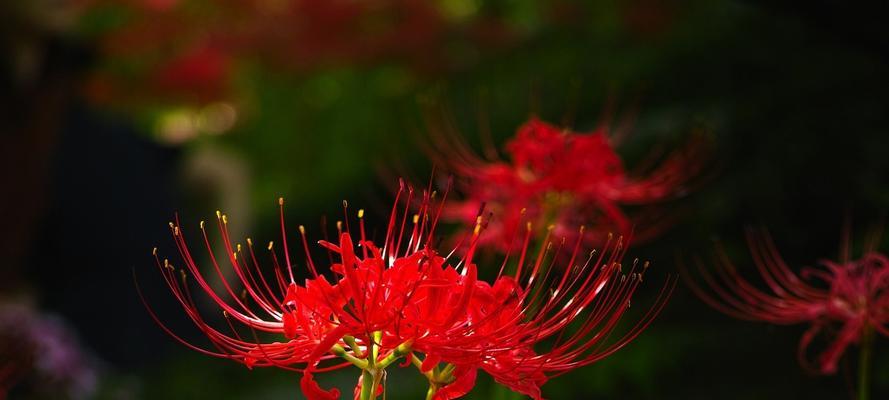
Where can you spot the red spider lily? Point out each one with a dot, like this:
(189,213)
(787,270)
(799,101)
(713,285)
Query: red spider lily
(853,294)
(563,178)
(404,300)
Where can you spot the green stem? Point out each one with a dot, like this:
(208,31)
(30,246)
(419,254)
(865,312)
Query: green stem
(374,368)
(445,373)
(367,383)
(864,363)
(419,364)
(341,352)
(430,394)
(399,351)
(376,337)
(375,386)
(350,340)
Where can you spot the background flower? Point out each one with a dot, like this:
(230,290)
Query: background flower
(42,358)
(557,177)
(846,300)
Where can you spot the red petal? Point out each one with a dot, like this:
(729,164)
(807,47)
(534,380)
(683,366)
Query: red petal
(463,384)
(329,340)
(407,360)
(312,391)
(430,362)
(290,324)
(291,296)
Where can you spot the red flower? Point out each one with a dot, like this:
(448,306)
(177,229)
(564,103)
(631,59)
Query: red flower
(200,72)
(555,176)
(853,294)
(404,300)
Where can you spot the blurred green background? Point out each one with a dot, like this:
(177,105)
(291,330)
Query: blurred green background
(121,113)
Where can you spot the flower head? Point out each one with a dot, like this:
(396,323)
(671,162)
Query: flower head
(555,176)
(403,300)
(851,294)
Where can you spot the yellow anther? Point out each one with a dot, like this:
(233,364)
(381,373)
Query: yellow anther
(339,225)
(202,224)
(249,242)
(154,251)
(271,244)
(478,225)
(361,213)
(302,229)
(416,218)
(239,247)
(235,256)
(280,201)
(218,214)
(224,219)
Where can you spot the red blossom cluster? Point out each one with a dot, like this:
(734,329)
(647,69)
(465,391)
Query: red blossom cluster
(853,294)
(541,316)
(557,177)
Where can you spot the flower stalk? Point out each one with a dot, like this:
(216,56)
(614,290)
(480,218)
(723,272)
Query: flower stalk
(864,363)
(372,371)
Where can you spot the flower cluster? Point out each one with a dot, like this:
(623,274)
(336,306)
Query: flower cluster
(853,294)
(557,177)
(405,301)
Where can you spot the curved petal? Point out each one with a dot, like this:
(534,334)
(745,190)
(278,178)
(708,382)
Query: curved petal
(458,388)
(313,391)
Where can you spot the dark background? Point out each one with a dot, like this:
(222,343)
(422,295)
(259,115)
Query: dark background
(794,97)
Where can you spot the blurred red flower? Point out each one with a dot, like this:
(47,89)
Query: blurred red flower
(853,294)
(404,300)
(557,177)
(184,51)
